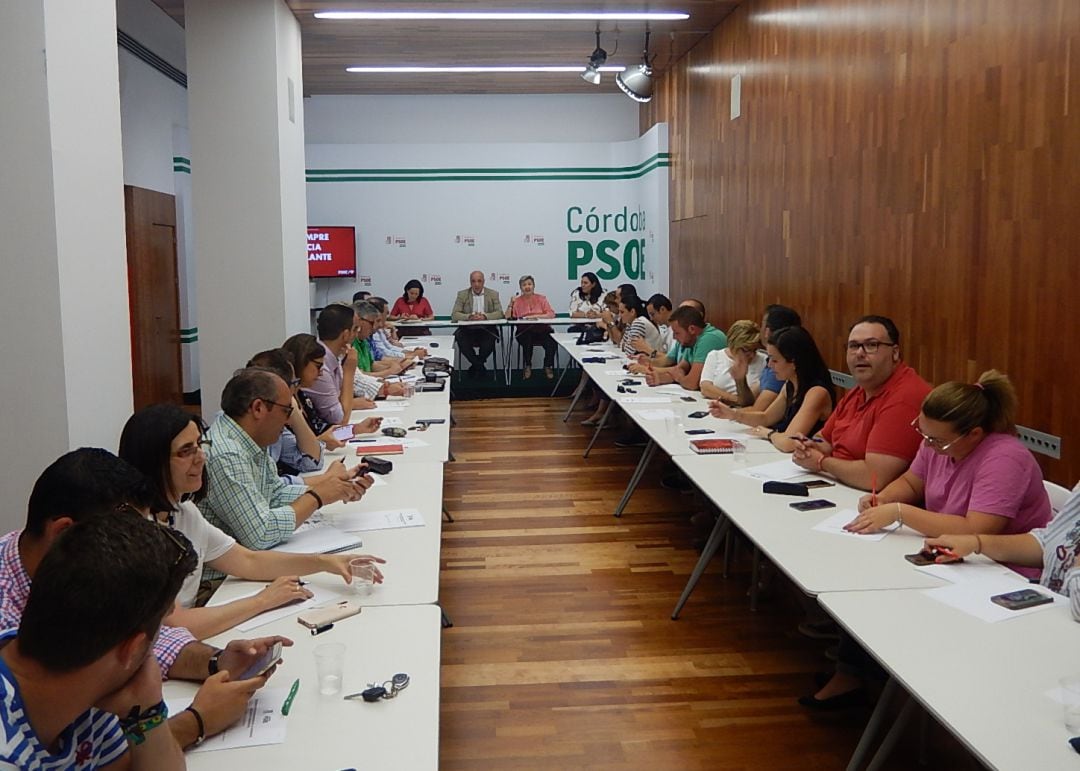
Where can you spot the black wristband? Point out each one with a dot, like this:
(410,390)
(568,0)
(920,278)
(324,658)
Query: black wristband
(314,495)
(212,664)
(201,724)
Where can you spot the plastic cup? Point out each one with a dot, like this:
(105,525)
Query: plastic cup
(671,424)
(410,390)
(738,452)
(1070,698)
(363,576)
(329,667)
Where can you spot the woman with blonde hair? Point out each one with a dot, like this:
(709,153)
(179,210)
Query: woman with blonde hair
(743,357)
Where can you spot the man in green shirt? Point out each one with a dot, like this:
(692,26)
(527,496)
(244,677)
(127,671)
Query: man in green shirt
(695,339)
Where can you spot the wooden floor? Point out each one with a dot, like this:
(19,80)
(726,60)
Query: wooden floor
(563,654)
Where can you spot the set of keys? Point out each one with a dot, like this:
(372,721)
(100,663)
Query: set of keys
(388,690)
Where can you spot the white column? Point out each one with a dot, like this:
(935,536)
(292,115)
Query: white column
(247,174)
(65,342)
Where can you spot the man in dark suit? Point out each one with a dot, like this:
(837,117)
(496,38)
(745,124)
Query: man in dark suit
(476,304)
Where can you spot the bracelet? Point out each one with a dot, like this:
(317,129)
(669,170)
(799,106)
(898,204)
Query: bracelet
(137,724)
(314,495)
(769,435)
(978,544)
(899,514)
(212,664)
(201,724)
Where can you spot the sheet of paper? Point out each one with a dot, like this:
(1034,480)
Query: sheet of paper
(320,596)
(624,374)
(676,390)
(660,414)
(389,519)
(968,570)
(780,471)
(644,400)
(262,722)
(388,407)
(413,441)
(973,597)
(835,525)
(316,537)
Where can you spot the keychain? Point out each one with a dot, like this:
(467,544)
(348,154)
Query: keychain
(388,690)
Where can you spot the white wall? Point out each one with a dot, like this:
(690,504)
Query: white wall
(484,118)
(151,107)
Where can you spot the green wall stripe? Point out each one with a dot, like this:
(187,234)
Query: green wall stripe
(490,177)
(191,331)
(523,170)
(182,169)
(181,159)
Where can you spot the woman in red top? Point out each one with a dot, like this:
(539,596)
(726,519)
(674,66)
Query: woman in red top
(412,306)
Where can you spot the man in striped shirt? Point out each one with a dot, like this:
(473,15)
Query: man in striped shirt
(92,698)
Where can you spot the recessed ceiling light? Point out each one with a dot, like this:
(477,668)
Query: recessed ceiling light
(478,69)
(500,16)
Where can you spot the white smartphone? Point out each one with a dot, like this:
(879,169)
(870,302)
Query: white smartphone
(264,662)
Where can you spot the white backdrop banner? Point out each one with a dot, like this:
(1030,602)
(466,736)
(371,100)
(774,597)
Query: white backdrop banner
(437,212)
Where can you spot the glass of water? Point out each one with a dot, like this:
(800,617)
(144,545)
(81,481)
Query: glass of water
(329,667)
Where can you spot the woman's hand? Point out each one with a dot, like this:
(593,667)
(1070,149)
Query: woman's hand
(720,410)
(740,365)
(873,519)
(282,591)
(338,564)
(960,545)
(761,432)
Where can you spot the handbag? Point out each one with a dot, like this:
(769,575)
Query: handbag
(589,335)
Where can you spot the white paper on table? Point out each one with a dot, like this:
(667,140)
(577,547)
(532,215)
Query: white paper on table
(644,400)
(780,471)
(958,573)
(412,441)
(316,537)
(973,597)
(388,407)
(262,722)
(378,480)
(320,596)
(389,519)
(623,374)
(676,390)
(656,414)
(835,526)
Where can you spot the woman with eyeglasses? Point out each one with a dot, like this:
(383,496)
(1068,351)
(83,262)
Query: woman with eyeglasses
(803,404)
(168,445)
(971,475)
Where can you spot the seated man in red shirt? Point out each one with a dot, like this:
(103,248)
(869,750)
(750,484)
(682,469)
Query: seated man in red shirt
(868,440)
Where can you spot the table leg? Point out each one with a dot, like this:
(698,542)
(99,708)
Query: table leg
(599,428)
(562,374)
(577,397)
(446,622)
(873,725)
(893,735)
(446,514)
(755,575)
(720,529)
(635,478)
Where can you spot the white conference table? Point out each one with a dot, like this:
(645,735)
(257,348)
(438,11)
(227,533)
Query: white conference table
(985,682)
(436,438)
(327,732)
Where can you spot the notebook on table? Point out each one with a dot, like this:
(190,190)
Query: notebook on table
(713,446)
(381,449)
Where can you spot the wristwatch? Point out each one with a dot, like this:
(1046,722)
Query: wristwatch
(212,664)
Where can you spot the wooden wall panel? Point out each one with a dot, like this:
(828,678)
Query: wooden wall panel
(914,158)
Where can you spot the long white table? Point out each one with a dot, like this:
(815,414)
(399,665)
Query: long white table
(436,437)
(327,732)
(986,683)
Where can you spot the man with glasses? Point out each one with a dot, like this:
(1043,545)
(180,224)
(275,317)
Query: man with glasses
(867,442)
(332,393)
(245,496)
(368,388)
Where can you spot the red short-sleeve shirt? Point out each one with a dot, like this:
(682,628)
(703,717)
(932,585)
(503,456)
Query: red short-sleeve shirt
(880,424)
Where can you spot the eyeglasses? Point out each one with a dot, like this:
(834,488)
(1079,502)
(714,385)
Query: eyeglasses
(933,441)
(188,450)
(870,346)
(287,407)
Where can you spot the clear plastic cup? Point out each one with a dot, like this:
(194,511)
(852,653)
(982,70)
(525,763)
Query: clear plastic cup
(330,667)
(738,452)
(410,390)
(363,576)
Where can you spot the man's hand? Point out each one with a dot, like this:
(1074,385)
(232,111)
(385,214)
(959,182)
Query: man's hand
(238,655)
(366,426)
(143,690)
(327,437)
(720,410)
(655,377)
(334,489)
(639,369)
(221,701)
(807,453)
(350,362)
(641,346)
(339,564)
(395,389)
(363,404)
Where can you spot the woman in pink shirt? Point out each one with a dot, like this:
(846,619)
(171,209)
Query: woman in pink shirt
(971,475)
(529,305)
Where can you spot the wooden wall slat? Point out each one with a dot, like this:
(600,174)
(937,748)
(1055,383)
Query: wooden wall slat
(912,158)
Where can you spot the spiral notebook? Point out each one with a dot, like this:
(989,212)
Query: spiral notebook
(713,446)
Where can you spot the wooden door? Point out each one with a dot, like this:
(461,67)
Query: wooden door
(153,296)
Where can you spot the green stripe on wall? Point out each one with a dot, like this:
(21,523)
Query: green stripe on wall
(182,169)
(660,160)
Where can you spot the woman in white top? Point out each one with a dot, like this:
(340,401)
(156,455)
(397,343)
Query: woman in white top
(167,445)
(636,324)
(723,366)
(586,301)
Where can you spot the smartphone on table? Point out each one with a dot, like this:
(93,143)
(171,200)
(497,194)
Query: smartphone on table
(1020,599)
(813,505)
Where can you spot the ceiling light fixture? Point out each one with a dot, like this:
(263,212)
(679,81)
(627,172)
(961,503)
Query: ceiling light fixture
(499,16)
(596,61)
(511,69)
(636,82)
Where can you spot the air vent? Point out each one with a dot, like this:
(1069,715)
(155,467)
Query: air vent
(134,47)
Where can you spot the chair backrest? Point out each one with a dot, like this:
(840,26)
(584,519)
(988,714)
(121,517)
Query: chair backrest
(1058,495)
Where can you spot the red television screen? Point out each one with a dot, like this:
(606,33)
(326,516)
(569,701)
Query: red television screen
(331,252)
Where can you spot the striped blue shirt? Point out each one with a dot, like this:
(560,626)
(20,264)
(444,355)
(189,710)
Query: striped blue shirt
(93,740)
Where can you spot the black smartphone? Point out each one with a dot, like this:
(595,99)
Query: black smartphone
(784,488)
(696,431)
(430,421)
(687,399)
(818,483)
(814,505)
(1023,598)
(699,414)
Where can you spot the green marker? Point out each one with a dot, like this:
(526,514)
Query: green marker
(288,699)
